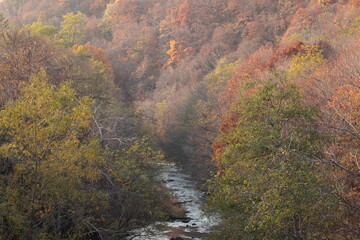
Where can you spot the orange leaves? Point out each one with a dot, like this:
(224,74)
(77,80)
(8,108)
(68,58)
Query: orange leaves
(355,2)
(346,107)
(230,121)
(176,52)
(346,100)
(173,52)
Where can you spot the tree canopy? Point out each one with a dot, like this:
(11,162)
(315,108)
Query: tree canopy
(268,185)
(57,179)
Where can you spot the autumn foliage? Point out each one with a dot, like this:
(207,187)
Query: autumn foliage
(204,78)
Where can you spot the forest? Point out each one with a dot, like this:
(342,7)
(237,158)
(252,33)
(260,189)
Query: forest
(257,100)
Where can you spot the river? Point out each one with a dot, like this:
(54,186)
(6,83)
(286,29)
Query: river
(196,224)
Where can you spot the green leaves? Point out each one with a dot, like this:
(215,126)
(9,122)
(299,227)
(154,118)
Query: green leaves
(72,29)
(267,177)
(39,28)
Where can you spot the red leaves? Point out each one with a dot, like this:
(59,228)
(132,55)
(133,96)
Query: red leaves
(285,52)
(183,12)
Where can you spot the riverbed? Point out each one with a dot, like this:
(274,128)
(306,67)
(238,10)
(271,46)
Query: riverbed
(196,223)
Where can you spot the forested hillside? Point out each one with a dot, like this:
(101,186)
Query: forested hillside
(257,99)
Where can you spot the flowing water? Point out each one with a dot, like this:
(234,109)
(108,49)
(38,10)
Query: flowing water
(195,225)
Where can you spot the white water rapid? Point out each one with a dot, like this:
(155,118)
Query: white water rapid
(195,225)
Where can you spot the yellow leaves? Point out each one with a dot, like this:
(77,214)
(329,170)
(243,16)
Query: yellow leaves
(112,15)
(307,61)
(161,106)
(46,124)
(354,27)
(57,163)
(38,28)
(326,2)
(46,136)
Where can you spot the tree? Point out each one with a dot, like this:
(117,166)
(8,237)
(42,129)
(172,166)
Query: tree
(268,186)
(306,62)
(336,91)
(97,53)
(176,52)
(39,28)
(49,188)
(183,12)
(72,29)
(92,73)
(21,56)
(343,153)
(3,22)
(57,181)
